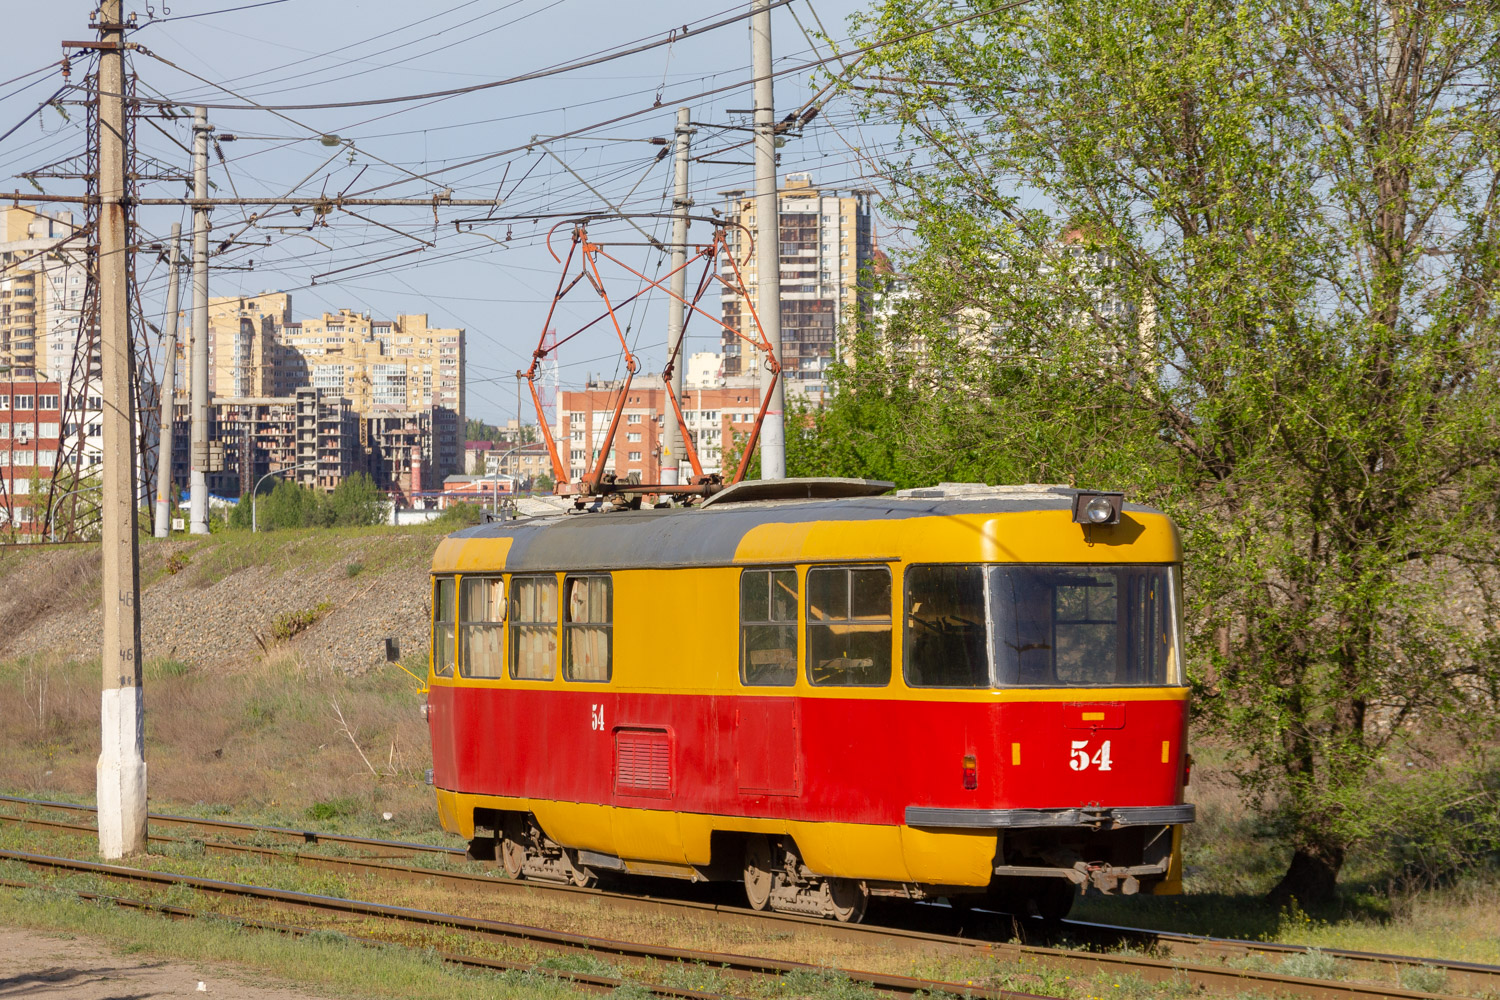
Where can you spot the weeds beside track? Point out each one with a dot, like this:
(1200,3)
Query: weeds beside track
(1219,976)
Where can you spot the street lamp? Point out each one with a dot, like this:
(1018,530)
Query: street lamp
(52,510)
(498,460)
(254,523)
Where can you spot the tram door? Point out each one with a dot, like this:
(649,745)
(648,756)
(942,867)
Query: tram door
(766,727)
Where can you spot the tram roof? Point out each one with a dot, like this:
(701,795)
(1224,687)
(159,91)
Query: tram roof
(711,535)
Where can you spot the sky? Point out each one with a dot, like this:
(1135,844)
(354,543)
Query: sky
(494,277)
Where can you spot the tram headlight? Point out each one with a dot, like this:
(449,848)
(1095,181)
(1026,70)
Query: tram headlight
(1097,508)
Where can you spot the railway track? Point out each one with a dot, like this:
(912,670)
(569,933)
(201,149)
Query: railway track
(743,966)
(1187,952)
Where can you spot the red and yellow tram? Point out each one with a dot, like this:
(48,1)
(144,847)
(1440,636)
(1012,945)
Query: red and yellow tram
(949,692)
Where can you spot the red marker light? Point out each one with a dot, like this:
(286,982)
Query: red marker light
(971,773)
(1187,769)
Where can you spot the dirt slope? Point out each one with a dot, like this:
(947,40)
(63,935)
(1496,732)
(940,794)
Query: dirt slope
(328,596)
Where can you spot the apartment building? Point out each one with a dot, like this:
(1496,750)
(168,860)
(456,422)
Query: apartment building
(825,249)
(311,437)
(390,366)
(38,432)
(247,357)
(523,463)
(42,281)
(714,416)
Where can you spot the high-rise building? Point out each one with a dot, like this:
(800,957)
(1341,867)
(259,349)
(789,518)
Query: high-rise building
(42,280)
(826,244)
(246,353)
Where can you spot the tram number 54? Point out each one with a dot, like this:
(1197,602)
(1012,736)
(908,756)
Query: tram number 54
(596,718)
(1081,760)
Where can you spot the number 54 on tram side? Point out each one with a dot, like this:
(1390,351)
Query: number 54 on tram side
(966,691)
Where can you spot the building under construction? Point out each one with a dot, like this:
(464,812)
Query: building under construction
(313,437)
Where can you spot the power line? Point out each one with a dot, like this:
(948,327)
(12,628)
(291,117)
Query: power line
(210,13)
(540,74)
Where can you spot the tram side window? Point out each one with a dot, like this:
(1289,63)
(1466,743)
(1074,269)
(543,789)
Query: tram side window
(849,626)
(587,631)
(481,616)
(945,633)
(442,626)
(533,628)
(768,627)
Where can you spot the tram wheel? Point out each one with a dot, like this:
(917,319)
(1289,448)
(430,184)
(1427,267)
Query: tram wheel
(1052,901)
(577,874)
(850,899)
(513,857)
(758,877)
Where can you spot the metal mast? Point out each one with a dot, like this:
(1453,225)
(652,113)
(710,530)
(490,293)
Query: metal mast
(121,772)
(767,237)
(198,484)
(166,390)
(671,451)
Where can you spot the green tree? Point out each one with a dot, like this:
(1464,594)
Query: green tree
(356,501)
(289,505)
(1240,257)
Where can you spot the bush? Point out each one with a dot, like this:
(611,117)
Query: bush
(355,502)
(460,515)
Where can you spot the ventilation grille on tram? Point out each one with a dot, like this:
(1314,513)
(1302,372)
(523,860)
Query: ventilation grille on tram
(643,762)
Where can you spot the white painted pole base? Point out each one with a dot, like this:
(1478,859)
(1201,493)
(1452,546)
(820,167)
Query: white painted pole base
(198,503)
(163,523)
(121,775)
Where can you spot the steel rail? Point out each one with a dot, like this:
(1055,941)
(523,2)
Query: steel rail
(388,848)
(742,965)
(599,984)
(1469,974)
(1473,976)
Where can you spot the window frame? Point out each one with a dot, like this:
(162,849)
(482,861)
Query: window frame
(570,627)
(809,625)
(985,624)
(515,625)
(1174,665)
(462,626)
(448,670)
(794,621)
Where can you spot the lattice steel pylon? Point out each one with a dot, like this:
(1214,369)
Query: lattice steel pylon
(66,506)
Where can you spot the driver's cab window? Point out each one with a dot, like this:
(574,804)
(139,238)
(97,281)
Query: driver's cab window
(442,626)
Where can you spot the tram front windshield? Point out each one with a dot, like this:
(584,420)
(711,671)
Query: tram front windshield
(1042,626)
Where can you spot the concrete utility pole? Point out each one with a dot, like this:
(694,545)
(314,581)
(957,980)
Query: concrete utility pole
(198,483)
(168,377)
(121,774)
(767,236)
(671,449)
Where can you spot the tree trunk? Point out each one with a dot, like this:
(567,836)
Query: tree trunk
(1310,878)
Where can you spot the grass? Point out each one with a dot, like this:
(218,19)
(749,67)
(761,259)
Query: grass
(1232,861)
(327,962)
(264,743)
(292,623)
